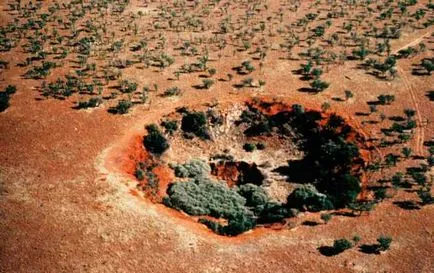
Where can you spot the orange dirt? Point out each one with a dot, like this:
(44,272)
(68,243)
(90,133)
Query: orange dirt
(227,172)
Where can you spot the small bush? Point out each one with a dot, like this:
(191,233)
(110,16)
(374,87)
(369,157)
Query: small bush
(273,212)
(249,147)
(386,99)
(356,239)
(380,193)
(260,146)
(384,242)
(192,169)
(195,122)
(307,197)
(255,196)
(139,174)
(122,107)
(170,125)
(236,225)
(361,206)
(155,142)
(425,196)
(326,217)
(173,91)
(319,85)
(11,89)
(207,83)
(341,245)
(4,101)
(91,103)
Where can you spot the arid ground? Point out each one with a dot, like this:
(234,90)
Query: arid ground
(68,199)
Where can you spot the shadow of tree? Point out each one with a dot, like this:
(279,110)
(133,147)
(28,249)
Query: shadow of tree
(327,251)
(370,249)
(407,205)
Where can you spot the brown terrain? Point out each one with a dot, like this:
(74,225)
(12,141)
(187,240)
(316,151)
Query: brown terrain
(69,201)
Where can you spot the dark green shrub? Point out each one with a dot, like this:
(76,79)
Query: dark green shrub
(170,92)
(4,101)
(39,72)
(380,193)
(249,147)
(195,122)
(337,152)
(428,65)
(91,103)
(406,152)
(425,196)
(340,245)
(307,197)
(139,174)
(238,224)
(326,217)
(260,146)
(419,178)
(274,212)
(154,141)
(345,191)
(319,85)
(298,109)
(170,125)
(122,107)
(356,239)
(384,243)
(255,196)
(386,99)
(11,89)
(207,83)
(361,206)
(127,86)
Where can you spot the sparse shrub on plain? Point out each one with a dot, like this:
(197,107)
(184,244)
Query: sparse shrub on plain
(384,242)
(249,147)
(91,103)
(122,107)
(340,245)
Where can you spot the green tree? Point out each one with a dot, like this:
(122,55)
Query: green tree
(319,85)
(428,65)
(406,152)
(207,83)
(348,94)
(384,242)
(154,141)
(340,245)
(326,217)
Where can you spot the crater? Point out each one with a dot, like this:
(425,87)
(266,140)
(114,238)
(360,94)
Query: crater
(239,166)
